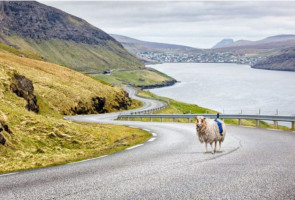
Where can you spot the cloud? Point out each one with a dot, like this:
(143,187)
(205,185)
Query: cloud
(198,24)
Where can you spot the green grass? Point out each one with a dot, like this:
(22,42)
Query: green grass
(19,52)
(134,77)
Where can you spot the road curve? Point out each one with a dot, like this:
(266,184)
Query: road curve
(254,164)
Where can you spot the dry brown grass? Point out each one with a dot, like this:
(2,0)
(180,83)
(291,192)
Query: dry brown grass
(60,87)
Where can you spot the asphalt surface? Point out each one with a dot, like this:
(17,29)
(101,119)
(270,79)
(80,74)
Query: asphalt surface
(254,164)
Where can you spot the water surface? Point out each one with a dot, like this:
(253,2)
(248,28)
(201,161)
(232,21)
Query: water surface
(230,88)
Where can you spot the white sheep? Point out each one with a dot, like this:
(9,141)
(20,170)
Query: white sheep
(208,132)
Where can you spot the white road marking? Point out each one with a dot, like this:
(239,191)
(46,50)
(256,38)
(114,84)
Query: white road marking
(154,134)
(147,130)
(102,156)
(9,174)
(78,162)
(97,157)
(134,146)
(152,139)
(87,160)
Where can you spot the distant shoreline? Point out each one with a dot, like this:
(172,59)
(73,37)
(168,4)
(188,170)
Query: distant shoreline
(271,69)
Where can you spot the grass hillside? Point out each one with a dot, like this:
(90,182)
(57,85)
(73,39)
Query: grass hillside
(81,57)
(45,139)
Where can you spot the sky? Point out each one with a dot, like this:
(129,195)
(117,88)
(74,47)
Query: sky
(198,24)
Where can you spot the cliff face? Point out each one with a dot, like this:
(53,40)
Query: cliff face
(61,38)
(284,60)
(34,20)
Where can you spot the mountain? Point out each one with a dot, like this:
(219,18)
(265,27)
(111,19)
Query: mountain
(274,52)
(134,45)
(273,42)
(277,38)
(61,38)
(282,60)
(223,43)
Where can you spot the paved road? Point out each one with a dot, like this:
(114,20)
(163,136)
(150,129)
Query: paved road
(254,164)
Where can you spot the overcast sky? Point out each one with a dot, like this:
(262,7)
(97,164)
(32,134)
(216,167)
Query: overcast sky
(197,24)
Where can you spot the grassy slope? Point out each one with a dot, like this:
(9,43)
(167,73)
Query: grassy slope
(45,139)
(78,56)
(177,107)
(19,52)
(135,77)
(61,87)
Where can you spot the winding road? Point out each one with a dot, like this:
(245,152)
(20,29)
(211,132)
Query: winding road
(254,164)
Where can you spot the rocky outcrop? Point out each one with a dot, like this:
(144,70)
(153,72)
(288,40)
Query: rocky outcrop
(2,139)
(3,127)
(98,104)
(123,101)
(23,87)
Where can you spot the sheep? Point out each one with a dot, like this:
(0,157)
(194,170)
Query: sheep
(208,132)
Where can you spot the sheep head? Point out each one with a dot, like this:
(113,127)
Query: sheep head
(201,123)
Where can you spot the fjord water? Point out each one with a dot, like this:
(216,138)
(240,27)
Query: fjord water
(230,88)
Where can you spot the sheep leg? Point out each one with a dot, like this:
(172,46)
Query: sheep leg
(206,147)
(215,146)
(219,146)
(212,147)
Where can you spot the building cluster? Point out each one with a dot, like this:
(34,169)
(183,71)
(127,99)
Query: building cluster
(202,57)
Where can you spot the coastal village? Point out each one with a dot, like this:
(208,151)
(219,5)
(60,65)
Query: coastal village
(204,57)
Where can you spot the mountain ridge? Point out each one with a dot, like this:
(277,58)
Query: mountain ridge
(267,42)
(61,38)
(127,42)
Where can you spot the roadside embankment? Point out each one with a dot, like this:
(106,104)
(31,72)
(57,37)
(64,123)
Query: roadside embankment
(34,97)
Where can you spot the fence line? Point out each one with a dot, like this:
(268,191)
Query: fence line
(240,117)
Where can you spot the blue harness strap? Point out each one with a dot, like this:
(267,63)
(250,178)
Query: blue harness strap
(219,126)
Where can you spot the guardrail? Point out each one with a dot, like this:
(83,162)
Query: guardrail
(167,103)
(240,117)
